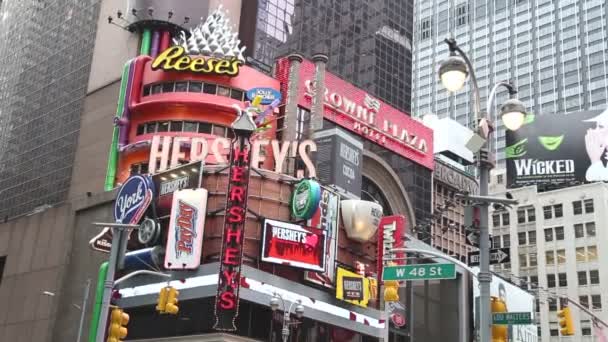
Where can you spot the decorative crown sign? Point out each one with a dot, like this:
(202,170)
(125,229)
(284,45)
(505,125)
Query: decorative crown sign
(213,40)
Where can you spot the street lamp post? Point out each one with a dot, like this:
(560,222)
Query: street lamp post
(299,311)
(453,73)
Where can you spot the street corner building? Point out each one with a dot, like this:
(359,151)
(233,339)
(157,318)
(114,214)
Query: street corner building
(230,202)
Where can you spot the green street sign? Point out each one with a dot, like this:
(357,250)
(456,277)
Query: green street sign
(506,318)
(419,272)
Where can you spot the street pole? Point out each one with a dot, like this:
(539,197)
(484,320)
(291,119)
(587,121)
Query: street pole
(119,232)
(83,309)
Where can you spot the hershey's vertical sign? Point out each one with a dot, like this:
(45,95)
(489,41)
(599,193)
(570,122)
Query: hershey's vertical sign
(229,280)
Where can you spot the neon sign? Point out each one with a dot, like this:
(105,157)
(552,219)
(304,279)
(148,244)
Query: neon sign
(176,59)
(227,297)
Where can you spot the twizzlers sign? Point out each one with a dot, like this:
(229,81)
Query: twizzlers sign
(359,112)
(227,298)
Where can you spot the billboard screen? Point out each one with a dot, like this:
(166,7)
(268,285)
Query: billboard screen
(516,299)
(558,149)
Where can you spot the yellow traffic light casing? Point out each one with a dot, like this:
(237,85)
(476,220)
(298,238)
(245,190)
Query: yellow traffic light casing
(117,329)
(391,291)
(565,322)
(500,333)
(171,306)
(162,300)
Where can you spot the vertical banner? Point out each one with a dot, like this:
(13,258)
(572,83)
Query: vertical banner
(390,235)
(227,298)
(326,218)
(186,227)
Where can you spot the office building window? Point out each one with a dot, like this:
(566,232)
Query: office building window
(425,28)
(506,241)
(554,332)
(496,220)
(548,213)
(594,277)
(533,261)
(562,279)
(586,331)
(590,228)
(596,302)
(533,282)
(582,278)
(499,179)
(579,232)
(462,15)
(521,216)
(531,215)
(559,233)
(550,258)
(548,234)
(521,238)
(581,256)
(577,207)
(505,219)
(558,208)
(523,261)
(532,238)
(561,256)
(584,300)
(588,206)
(591,253)
(551,281)
(496,241)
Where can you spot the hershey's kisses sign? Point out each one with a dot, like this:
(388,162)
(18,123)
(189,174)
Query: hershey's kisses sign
(229,279)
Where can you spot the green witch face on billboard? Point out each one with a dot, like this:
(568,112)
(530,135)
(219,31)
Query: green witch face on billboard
(558,149)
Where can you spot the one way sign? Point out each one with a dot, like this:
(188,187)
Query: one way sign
(497,256)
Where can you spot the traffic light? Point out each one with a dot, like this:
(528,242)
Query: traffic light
(565,322)
(500,333)
(171,306)
(391,291)
(117,329)
(162,300)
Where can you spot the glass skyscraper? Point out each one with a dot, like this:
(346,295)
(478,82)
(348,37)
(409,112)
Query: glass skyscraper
(45,58)
(556,52)
(369,42)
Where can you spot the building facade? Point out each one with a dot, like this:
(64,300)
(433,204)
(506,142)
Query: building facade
(448,229)
(554,52)
(46,51)
(558,248)
(369,43)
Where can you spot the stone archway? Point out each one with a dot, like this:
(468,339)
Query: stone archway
(381,173)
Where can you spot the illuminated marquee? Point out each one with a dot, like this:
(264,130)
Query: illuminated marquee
(175,58)
(227,298)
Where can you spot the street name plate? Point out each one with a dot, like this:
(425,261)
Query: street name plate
(512,318)
(419,272)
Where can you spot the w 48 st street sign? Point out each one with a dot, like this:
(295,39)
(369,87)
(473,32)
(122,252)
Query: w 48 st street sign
(497,256)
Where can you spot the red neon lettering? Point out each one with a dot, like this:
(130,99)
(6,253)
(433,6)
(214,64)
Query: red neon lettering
(236,215)
(231,278)
(237,173)
(237,193)
(242,155)
(227,300)
(233,235)
(231,255)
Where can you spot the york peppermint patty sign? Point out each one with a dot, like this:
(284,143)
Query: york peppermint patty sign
(133,198)
(558,149)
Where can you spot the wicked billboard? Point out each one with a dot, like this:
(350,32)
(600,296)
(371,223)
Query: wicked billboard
(558,149)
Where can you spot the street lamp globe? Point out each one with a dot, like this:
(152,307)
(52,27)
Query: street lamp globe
(453,72)
(299,309)
(274,303)
(513,114)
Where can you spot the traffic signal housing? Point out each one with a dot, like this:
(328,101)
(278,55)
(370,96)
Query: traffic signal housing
(500,333)
(162,300)
(171,306)
(117,329)
(565,321)
(391,291)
